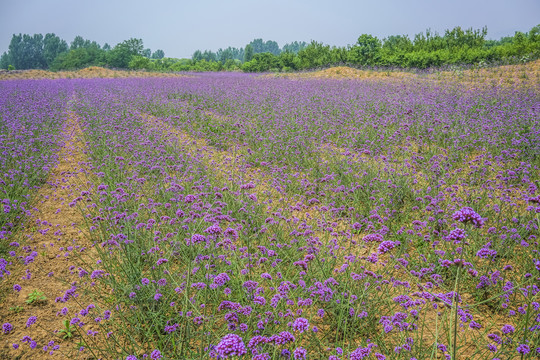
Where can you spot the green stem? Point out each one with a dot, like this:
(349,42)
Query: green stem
(456,289)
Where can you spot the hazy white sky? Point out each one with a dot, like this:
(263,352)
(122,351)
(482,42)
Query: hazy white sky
(181,27)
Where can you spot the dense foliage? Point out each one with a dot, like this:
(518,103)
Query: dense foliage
(454,47)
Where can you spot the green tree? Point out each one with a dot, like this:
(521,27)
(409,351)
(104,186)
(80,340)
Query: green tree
(121,54)
(315,55)
(248,53)
(5,60)
(79,42)
(534,40)
(294,47)
(366,51)
(52,47)
(140,62)
(26,52)
(197,55)
(272,47)
(261,62)
(158,54)
(224,55)
(260,46)
(209,56)
(79,58)
(288,61)
(397,43)
(134,46)
(147,53)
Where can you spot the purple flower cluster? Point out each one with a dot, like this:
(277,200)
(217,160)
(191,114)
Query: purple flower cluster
(300,324)
(231,345)
(221,279)
(7,328)
(468,215)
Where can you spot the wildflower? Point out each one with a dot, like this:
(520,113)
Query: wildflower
(266,276)
(386,246)
(31,320)
(534,200)
(360,353)
(6,328)
(156,355)
(508,329)
(474,325)
(300,324)
(456,235)
(263,356)
(221,279)
(256,341)
(373,238)
(466,215)
(231,345)
(161,261)
(523,349)
(17,287)
(484,253)
(213,230)
(300,353)
(495,338)
(198,285)
(283,337)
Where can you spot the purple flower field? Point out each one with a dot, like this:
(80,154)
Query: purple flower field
(228,216)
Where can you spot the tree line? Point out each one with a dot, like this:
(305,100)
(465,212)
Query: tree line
(50,52)
(429,49)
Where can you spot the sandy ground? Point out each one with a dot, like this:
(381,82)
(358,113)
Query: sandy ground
(87,73)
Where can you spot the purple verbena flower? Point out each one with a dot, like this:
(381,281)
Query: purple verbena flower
(231,345)
(31,320)
(300,353)
(6,328)
(300,324)
(523,349)
(466,215)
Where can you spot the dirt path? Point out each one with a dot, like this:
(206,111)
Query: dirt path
(53,241)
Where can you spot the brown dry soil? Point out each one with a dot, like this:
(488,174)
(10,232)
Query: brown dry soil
(50,271)
(343,72)
(87,73)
